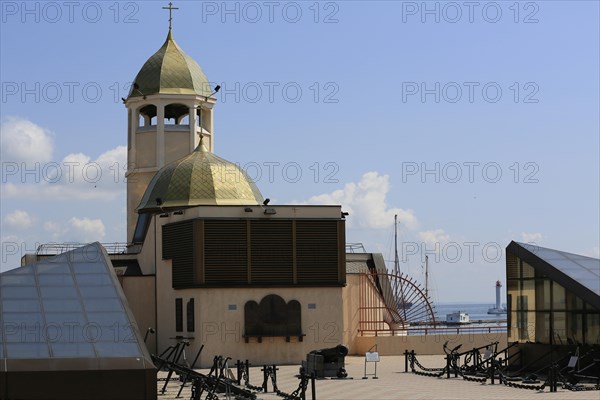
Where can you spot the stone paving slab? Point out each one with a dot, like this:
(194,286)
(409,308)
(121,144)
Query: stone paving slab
(392,383)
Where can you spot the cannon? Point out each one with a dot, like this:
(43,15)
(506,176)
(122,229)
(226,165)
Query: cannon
(326,363)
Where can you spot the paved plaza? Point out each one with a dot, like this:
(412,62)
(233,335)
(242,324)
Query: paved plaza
(392,383)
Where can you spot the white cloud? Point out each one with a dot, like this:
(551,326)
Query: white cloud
(531,237)
(77,230)
(594,252)
(86,229)
(12,249)
(54,229)
(434,239)
(22,141)
(366,203)
(19,219)
(76,177)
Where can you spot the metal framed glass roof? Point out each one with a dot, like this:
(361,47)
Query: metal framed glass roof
(584,270)
(68,306)
(68,315)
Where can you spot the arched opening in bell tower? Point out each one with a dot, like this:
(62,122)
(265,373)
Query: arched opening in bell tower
(147,117)
(177,114)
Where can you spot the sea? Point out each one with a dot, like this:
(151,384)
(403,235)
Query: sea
(476,311)
(480,320)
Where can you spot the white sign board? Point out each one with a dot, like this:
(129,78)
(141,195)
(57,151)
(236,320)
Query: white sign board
(372,356)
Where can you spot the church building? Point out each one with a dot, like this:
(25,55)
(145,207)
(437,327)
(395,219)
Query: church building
(208,258)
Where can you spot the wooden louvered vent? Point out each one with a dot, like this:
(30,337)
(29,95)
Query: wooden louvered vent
(317,251)
(178,245)
(276,252)
(225,252)
(271,249)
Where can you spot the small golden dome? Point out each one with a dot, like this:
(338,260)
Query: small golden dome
(170,71)
(201,178)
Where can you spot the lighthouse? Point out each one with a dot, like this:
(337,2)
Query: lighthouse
(498,309)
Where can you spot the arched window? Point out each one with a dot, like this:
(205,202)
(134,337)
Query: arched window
(147,116)
(175,114)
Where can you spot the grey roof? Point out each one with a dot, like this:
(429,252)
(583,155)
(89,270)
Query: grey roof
(578,273)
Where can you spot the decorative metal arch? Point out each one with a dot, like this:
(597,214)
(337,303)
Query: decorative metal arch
(390,302)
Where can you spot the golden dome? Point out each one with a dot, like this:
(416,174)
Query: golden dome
(200,178)
(170,71)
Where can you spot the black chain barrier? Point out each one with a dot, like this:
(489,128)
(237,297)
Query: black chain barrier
(414,358)
(300,392)
(495,367)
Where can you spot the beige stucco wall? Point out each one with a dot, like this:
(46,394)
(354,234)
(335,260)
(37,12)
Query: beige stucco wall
(424,344)
(350,306)
(177,144)
(221,330)
(145,156)
(139,291)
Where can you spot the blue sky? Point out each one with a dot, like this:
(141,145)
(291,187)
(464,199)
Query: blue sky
(499,101)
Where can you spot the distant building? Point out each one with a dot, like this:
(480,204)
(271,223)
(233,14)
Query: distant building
(553,298)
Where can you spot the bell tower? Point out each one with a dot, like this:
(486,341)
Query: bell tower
(169,108)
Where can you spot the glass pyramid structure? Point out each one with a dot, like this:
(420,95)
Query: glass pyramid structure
(65,324)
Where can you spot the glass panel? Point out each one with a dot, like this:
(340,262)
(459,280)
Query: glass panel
(62,305)
(55,280)
(26,329)
(526,326)
(512,290)
(558,297)
(560,327)
(71,328)
(21,317)
(574,303)
(58,292)
(542,327)
(27,270)
(542,294)
(576,328)
(66,319)
(21,305)
(72,350)
(528,271)
(53,268)
(27,350)
(527,296)
(93,279)
(592,333)
(11,279)
(19,292)
(512,267)
(513,332)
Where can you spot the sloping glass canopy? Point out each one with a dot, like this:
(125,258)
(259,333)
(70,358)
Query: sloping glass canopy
(66,314)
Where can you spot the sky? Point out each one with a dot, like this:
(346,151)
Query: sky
(477,123)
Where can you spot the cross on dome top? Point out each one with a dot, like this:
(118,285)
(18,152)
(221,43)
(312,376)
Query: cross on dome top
(170,8)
